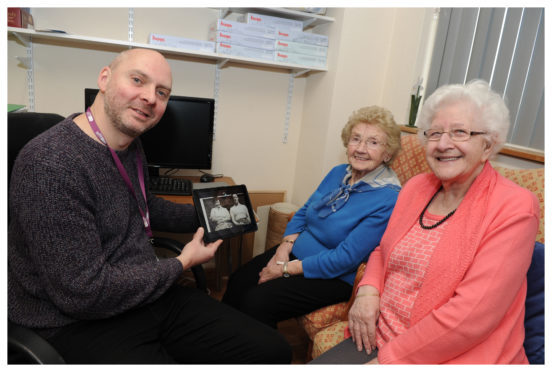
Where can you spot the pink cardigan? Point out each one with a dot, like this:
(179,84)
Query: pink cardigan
(471,306)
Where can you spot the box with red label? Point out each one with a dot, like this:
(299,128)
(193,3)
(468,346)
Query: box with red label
(243,51)
(300,59)
(291,47)
(20,17)
(241,39)
(268,31)
(290,24)
(302,37)
(182,43)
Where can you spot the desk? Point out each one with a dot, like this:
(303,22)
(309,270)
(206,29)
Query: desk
(227,244)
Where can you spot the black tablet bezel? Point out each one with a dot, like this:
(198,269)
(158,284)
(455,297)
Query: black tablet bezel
(204,202)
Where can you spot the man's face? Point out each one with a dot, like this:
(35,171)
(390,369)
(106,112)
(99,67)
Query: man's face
(137,89)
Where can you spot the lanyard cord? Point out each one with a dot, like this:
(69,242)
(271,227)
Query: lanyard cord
(123,172)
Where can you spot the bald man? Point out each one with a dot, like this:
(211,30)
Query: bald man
(82,272)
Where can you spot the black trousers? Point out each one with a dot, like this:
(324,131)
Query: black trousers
(282,298)
(183,326)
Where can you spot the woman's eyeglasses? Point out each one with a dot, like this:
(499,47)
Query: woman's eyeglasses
(458,135)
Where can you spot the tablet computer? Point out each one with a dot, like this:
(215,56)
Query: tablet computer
(224,212)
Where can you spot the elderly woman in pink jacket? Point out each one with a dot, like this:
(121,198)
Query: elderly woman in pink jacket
(447,283)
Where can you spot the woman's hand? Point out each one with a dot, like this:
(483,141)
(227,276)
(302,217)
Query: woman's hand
(273,268)
(270,272)
(363,317)
(197,252)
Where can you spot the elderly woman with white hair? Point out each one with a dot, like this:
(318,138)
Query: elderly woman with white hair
(447,283)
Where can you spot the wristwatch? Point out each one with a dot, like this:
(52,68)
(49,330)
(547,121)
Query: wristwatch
(285,271)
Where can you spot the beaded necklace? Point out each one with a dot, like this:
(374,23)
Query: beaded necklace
(438,222)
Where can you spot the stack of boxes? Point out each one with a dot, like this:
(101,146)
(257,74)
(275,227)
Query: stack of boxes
(260,37)
(271,39)
(242,39)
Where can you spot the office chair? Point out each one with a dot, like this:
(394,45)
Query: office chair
(24,345)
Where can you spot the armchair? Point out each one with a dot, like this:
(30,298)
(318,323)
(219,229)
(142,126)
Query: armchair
(24,345)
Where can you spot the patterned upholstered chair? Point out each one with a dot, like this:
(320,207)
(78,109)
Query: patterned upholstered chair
(409,162)
(325,327)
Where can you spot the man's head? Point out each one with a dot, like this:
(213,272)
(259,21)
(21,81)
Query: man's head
(135,88)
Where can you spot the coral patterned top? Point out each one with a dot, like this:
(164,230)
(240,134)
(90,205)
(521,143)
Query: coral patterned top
(406,270)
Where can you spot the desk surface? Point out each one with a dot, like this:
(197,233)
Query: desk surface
(187,199)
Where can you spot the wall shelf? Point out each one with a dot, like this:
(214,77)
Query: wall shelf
(309,20)
(45,37)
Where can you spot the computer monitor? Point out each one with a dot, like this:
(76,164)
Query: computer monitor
(183,138)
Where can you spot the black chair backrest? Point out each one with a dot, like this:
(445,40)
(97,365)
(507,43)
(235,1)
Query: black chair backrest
(24,126)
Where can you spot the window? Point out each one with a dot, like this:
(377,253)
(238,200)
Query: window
(504,46)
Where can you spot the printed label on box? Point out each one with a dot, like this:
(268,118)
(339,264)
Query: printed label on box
(266,31)
(300,59)
(243,51)
(309,49)
(241,39)
(182,43)
(302,37)
(290,24)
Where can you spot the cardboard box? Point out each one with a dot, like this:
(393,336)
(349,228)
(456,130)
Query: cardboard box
(300,48)
(182,42)
(20,17)
(300,59)
(302,37)
(243,51)
(290,24)
(267,32)
(241,39)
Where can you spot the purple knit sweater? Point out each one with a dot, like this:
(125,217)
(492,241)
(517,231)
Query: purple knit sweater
(77,247)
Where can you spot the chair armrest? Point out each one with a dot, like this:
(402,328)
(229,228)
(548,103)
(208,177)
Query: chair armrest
(26,346)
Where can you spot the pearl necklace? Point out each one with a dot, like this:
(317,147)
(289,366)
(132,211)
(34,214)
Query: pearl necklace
(438,222)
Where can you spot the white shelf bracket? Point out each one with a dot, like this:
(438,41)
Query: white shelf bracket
(221,63)
(224,12)
(308,22)
(291,82)
(300,72)
(23,39)
(25,61)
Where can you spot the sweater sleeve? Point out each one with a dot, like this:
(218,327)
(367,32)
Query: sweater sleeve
(357,245)
(85,273)
(492,286)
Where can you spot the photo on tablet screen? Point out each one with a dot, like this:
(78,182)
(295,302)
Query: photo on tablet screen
(224,211)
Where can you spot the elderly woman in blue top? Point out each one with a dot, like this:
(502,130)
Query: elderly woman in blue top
(337,229)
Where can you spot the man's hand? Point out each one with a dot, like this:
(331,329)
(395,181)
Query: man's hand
(197,252)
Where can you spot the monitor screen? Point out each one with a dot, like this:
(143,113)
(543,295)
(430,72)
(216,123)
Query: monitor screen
(183,138)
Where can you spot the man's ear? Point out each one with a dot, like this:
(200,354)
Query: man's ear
(103,78)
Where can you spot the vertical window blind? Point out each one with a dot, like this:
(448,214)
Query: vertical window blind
(503,46)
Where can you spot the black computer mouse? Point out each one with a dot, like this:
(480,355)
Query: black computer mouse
(206,178)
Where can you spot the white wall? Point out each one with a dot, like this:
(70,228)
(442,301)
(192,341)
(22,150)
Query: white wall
(375,57)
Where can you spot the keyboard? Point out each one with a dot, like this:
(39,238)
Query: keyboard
(170,186)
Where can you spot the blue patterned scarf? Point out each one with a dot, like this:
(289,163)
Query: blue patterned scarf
(334,200)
